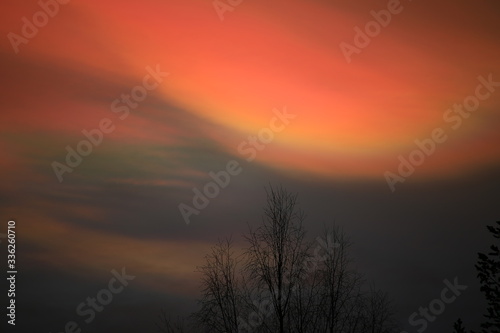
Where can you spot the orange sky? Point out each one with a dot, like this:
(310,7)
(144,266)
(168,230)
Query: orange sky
(364,113)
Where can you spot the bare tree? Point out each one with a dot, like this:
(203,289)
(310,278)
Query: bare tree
(341,301)
(305,304)
(379,315)
(285,282)
(276,253)
(166,324)
(221,291)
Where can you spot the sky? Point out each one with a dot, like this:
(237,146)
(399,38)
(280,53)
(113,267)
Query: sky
(383,116)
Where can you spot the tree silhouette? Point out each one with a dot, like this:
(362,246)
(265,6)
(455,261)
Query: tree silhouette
(221,293)
(276,253)
(379,316)
(488,267)
(458,327)
(341,307)
(283,282)
(165,324)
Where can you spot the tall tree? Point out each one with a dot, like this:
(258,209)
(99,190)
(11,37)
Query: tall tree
(488,267)
(340,285)
(276,253)
(378,315)
(221,299)
(287,283)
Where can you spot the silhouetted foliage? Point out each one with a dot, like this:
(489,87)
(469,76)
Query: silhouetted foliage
(458,327)
(488,267)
